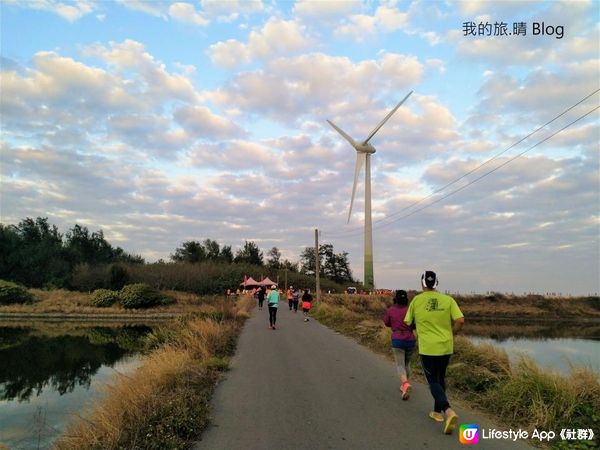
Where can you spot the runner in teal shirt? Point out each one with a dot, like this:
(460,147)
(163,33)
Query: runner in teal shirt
(273,303)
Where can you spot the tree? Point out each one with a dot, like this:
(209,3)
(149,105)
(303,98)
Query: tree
(84,247)
(331,265)
(274,257)
(287,264)
(35,255)
(336,266)
(307,261)
(249,254)
(190,251)
(226,254)
(212,249)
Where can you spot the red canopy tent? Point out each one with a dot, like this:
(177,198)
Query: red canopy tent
(267,282)
(249,282)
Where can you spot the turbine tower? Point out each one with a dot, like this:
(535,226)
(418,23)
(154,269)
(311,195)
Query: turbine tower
(363,156)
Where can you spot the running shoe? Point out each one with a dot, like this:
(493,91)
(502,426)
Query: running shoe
(438,417)
(405,389)
(450,424)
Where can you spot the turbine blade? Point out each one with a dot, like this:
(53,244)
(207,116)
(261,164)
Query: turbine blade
(343,133)
(386,118)
(360,159)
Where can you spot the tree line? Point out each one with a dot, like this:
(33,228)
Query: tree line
(35,254)
(332,265)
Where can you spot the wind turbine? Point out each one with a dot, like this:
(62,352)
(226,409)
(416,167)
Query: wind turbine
(363,156)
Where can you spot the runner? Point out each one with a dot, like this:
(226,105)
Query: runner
(306,304)
(290,297)
(403,339)
(261,297)
(273,302)
(295,298)
(437,317)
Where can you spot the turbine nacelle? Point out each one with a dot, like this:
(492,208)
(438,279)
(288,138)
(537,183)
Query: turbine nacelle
(364,147)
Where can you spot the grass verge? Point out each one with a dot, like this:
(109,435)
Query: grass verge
(165,402)
(64,302)
(520,395)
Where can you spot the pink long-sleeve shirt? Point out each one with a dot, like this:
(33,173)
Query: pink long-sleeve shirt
(394,318)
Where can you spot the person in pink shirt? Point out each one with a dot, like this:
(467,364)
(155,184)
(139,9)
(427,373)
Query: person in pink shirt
(403,339)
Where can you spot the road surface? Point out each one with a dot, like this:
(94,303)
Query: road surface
(303,386)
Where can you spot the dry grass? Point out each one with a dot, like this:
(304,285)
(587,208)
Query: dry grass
(165,402)
(63,302)
(127,402)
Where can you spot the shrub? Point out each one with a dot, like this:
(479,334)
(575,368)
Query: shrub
(13,293)
(103,298)
(141,295)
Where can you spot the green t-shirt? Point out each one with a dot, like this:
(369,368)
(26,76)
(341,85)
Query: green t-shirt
(273,299)
(433,313)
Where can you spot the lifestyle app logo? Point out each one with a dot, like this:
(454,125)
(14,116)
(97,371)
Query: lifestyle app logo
(468,434)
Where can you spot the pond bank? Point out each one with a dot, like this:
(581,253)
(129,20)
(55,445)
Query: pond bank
(20,316)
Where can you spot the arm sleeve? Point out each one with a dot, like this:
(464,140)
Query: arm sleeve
(455,311)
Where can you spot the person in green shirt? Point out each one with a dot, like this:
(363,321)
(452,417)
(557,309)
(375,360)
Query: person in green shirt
(273,303)
(436,317)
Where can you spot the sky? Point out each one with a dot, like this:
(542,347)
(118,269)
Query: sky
(163,122)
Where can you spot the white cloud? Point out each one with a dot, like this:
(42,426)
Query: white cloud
(277,37)
(385,18)
(157,9)
(70,11)
(185,12)
(229,10)
(291,89)
(325,9)
(202,122)
(158,84)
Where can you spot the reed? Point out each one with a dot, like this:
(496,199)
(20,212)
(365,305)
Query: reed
(165,402)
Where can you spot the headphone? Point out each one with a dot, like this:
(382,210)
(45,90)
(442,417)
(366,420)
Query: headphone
(437,281)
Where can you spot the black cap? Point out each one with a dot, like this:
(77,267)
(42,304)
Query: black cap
(429,279)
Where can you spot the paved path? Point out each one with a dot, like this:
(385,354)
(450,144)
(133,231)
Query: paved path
(303,386)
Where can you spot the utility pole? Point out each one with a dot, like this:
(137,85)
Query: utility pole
(317,269)
(285,283)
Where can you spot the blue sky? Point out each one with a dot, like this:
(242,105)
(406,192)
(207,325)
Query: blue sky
(161,122)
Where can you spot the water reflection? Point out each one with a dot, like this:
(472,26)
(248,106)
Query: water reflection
(32,362)
(501,330)
(556,345)
(48,371)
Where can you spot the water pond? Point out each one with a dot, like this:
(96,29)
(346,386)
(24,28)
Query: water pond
(49,371)
(554,345)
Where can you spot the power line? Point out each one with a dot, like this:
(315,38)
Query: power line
(491,171)
(489,160)
(358,231)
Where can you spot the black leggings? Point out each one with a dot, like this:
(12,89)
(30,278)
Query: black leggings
(272,315)
(434,368)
